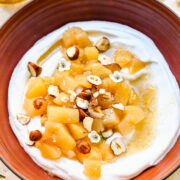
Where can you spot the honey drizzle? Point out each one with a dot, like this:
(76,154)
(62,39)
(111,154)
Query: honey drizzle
(54,46)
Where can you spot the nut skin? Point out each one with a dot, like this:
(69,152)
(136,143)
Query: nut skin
(82,103)
(38,103)
(102,44)
(94,80)
(113,67)
(34,69)
(75,53)
(93,102)
(35,135)
(117,146)
(82,114)
(84,95)
(53,91)
(83,146)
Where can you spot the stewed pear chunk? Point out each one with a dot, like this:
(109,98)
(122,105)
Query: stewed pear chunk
(77,131)
(91,53)
(87,123)
(64,139)
(62,114)
(134,114)
(92,168)
(35,106)
(49,151)
(111,118)
(36,88)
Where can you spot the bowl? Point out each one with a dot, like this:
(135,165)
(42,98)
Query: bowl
(40,18)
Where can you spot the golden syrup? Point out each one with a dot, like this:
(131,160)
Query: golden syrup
(145,131)
(49,51)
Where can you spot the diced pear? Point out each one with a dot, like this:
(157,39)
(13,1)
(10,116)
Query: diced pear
(123,57)
(107,154)
(31,111)
(77,131)
(136,65)
(133,114)
(91,53)
(62,114)
(36,87)
(76,68)
(69,38)
(68,83)
(82,39)
(92,168)
(98,125)
(51,130)
(61,99)
(110,118)
(122,94)
(49,151)
(64,139)
(98,70)
(82,81)
(94,154)
(134,98)
(125,127)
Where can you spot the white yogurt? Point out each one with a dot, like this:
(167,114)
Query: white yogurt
(168,120)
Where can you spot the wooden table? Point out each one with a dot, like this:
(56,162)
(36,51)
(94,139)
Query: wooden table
(6,12)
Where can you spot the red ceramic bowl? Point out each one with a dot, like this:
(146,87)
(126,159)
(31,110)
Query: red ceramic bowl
(43,16)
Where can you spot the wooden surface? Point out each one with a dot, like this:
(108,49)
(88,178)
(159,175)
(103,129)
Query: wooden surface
(6,12)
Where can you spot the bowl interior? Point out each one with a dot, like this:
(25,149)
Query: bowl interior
(40,18)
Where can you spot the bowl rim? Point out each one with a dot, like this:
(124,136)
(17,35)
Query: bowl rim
(33,3)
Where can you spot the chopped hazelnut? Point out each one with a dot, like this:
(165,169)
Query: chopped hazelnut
(103,44)
(87,123)
(38,103)
(106,95)
(23,119)
(34,69)
(105,60)
(72,52)
(118,146)
(119,106)
(35,135)
(102,91)
(82,114)
(82,103)
(53,91)
(84,95)
(93,102)
(29,142)
(72,95)
(113,67)
(95,80)
(78,90)
(95,114)
(83,146)
(96,94)
(107,134)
